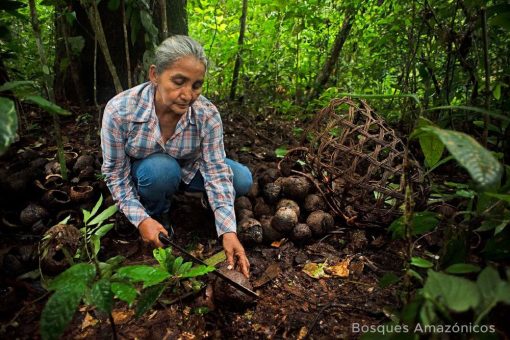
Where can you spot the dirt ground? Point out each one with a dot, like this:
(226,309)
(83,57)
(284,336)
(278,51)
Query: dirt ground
(291,303)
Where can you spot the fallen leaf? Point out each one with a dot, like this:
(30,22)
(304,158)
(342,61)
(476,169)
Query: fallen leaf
(278,244)
(153,314)
(357,267)
(340,269)
(121,316)
(216,258)
(315,270)
(271,272)
(198,251)
(88,321)
(187,336)
(302,333)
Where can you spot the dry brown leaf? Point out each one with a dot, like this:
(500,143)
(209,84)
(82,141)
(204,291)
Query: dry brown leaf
(187,336)
(271,272)
(278,244)
(88,321)
(340,269)
(302,333)
(198,251)
(122,316)
(357,267)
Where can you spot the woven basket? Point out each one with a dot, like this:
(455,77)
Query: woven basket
(357,162)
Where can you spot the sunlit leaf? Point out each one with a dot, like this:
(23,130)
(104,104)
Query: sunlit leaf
(431,145)
(8,123)
(142,273)
(104,215)
(483,167)
(421,262)
(94,210)
(197,271)
(496,92)
(315,270)
(216,258)
(47,105)
(124,291)
(281,151)
(340,269)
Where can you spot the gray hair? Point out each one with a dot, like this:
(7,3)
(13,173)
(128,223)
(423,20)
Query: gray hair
(176,47)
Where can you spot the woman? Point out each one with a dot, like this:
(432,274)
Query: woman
(162,135)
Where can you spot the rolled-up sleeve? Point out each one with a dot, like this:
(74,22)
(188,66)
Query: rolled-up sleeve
(218,178)
(117,166)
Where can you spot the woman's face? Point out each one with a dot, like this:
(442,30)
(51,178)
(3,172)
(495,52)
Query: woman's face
(178,86)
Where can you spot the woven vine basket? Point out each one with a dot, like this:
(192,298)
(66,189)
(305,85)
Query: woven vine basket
(358,162)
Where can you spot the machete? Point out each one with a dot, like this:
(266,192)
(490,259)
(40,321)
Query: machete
(167,241)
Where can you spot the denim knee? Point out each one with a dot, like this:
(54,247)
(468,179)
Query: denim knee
(242,177)
(157,176)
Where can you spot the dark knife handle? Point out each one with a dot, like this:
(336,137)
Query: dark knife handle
(167,241)
(164,239)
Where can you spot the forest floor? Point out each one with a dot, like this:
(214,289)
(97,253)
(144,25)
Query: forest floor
(291,304)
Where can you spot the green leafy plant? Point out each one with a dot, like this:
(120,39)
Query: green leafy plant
(443,295)
(95,228)
(446,280)
(155,280)
(98,283)
(483,167)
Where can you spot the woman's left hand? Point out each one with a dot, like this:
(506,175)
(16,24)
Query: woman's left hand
(235,253)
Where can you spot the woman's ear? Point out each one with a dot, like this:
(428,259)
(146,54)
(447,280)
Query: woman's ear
(153,76)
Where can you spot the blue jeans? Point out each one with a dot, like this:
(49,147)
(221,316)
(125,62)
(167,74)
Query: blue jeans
(158,177)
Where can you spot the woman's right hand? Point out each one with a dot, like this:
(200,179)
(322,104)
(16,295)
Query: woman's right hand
(149,230)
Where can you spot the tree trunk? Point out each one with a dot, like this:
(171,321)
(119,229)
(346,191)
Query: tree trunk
(95,20)
(84,63)
(164,19)
(177,17)
(240,42)
(126,41)
(330,63)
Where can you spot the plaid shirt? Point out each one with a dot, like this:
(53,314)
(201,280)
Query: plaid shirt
(130,131)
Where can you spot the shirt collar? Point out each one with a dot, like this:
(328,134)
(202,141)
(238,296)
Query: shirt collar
(145,107)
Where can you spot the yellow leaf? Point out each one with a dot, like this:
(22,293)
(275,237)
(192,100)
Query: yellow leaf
(88,321)
(120,316)
(302,333)
(315,270)
(340,269)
